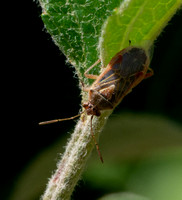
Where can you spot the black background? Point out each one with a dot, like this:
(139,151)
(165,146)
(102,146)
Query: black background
(39,86)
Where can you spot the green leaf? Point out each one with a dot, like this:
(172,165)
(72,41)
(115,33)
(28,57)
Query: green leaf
(139,21)
(76,26)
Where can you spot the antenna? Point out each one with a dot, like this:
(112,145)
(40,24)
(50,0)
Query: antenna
(59,120)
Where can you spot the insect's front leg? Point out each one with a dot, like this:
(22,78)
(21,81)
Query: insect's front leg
(92,76)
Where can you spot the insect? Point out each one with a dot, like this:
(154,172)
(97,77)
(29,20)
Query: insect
(125,71)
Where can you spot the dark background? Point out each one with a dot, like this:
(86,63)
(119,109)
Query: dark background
(40,86)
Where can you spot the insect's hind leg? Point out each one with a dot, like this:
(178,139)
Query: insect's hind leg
(92,76)
(149,73)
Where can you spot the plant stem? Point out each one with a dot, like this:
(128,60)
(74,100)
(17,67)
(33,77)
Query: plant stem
(78,150)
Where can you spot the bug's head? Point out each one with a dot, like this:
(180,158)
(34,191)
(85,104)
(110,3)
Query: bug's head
(91,109)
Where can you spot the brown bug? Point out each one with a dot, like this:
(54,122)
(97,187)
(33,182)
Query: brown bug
(125,71)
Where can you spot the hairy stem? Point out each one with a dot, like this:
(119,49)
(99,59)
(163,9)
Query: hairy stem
(78,150)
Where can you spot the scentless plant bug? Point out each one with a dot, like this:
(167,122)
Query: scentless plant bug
(125,71)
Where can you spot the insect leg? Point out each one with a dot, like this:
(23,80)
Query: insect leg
(92,76)
(149,73)
(97,146)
